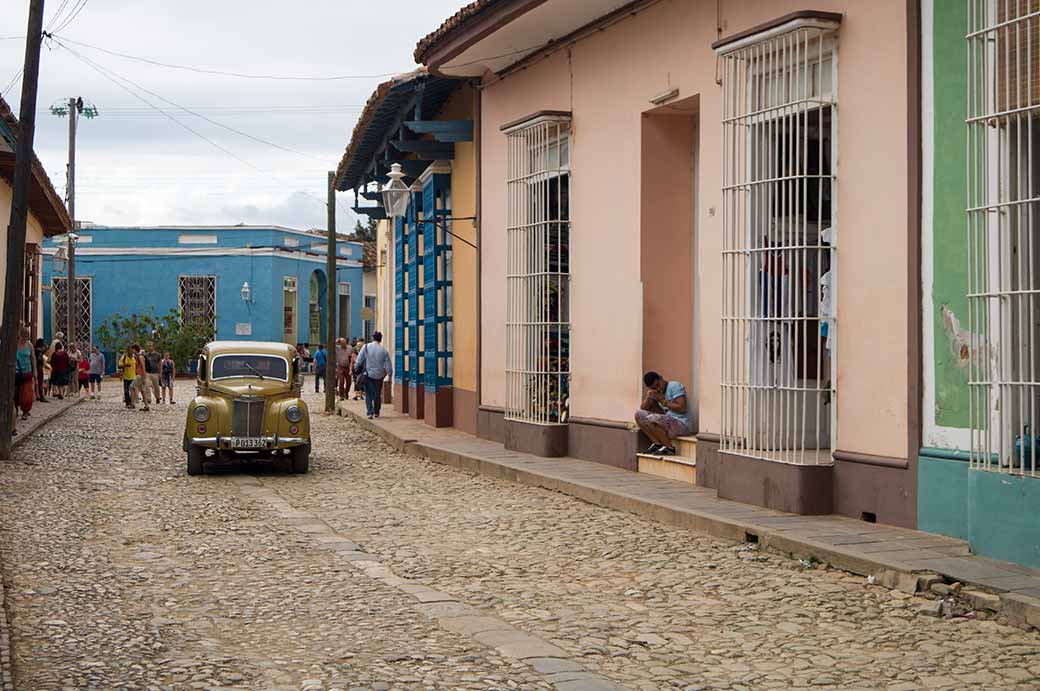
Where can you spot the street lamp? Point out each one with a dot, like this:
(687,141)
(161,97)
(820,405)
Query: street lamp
(396,194)
(246,291)
(58,261)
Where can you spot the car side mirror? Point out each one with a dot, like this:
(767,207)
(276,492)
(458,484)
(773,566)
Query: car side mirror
(202,368)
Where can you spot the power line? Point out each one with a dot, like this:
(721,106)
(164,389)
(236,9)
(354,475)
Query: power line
(10,85)
(73,13)
(118,79)
(56,15)
(226,73)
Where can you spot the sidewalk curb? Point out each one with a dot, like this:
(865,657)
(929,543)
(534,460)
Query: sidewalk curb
(1020,610)
(22,436)
(6,669)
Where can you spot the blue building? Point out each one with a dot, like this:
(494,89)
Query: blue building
(262,283)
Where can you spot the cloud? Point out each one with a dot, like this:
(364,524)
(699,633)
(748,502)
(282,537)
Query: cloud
(135,166)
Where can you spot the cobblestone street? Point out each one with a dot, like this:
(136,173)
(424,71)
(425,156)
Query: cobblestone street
(380,571)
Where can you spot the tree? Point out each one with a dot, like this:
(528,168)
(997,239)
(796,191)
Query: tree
(365,232)
(182,338)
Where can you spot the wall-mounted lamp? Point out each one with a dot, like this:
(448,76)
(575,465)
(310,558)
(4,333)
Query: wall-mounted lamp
(246,292)
(396,193)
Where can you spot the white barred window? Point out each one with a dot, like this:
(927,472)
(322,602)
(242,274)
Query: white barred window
(538,271)
(197,298)
(779,243)
(1003,228)
(83,303)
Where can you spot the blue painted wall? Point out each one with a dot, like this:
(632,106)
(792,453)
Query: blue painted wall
(140,267)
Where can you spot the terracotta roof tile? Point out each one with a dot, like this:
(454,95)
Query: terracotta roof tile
(367,113)
(455,21)
(59,211)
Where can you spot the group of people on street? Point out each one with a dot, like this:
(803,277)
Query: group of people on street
(54,370)
(363,365)
(147,376)
(346,355)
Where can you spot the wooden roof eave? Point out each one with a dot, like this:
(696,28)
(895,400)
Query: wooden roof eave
(44,202)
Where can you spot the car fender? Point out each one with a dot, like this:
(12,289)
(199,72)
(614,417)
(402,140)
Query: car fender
(278,422)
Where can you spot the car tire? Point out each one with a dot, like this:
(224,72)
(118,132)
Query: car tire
(301,459)
(196,457)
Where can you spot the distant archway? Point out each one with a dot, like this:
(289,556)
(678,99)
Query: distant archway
(319,284)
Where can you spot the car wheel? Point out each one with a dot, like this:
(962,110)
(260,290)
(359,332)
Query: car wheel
(301,459)
(196,456)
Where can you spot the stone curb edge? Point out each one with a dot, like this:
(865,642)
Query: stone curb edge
(17,441)
(1019,609)
(6,670)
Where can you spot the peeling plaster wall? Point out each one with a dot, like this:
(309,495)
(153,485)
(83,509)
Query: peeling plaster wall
(948,345)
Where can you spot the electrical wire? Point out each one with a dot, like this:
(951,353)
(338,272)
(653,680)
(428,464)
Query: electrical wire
(200,115)
(57,14)
(226,73)
(118,81)
(73,13)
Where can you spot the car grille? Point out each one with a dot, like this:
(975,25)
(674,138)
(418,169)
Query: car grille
(247,417)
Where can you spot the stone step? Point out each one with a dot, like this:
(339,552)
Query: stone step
(681,468)
(686,446)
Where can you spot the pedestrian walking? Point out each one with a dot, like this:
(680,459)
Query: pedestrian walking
(59,370)
(24,374)
(39,351)
(152,361)
(167,373)
(83,376)
(74,359)
(128,369)
(46,375)
(344,366)
(374,365)
(142,385)
(97,372)
(320,363)
(359,379)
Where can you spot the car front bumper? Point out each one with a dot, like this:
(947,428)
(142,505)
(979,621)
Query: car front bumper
(269,443)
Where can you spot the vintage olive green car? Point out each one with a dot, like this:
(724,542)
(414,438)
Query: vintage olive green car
(248,406)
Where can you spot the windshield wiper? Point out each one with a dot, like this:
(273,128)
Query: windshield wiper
(252,369)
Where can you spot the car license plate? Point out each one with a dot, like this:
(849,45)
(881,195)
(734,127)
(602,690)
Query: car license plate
(247,443)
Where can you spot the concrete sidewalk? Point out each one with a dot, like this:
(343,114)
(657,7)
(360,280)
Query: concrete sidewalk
(899,558)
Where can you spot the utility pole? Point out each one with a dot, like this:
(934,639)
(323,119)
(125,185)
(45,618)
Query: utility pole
(14,281)
(331,295)
(70,281)
(74,107)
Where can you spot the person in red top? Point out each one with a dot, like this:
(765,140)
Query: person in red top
(59,370)
(84,376)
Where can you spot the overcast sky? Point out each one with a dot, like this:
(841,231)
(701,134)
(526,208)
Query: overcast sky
(135,166)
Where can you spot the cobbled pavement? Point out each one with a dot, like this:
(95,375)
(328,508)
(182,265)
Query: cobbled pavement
(122,572)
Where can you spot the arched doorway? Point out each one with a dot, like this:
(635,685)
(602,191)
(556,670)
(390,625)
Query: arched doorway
(319,284)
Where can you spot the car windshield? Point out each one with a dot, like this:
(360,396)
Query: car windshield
(258,366)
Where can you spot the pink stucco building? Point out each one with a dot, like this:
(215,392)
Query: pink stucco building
(665,185)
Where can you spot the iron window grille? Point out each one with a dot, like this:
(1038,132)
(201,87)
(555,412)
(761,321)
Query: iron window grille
(82,305)
(197,298)
(289,309)
(779,253)
(1003,224)
(538,234)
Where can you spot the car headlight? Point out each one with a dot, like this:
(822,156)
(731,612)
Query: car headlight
(294,413)
(200,413)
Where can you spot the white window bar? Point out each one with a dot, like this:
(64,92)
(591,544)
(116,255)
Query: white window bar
(779,253)
(197,298)
(83,305)
(538,272)
(1003,224)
